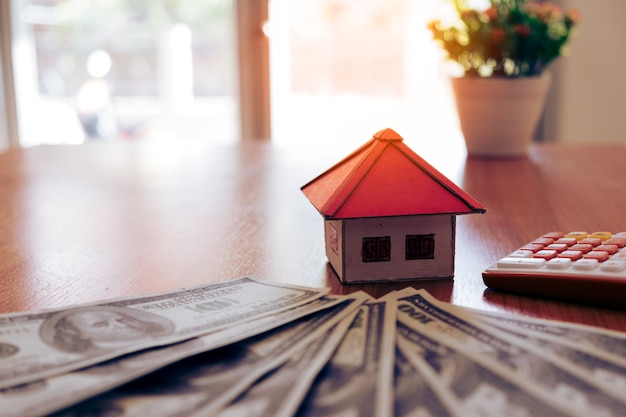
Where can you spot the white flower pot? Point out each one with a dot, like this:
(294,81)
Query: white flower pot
(499,116)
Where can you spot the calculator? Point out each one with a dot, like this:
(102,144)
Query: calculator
(588,268)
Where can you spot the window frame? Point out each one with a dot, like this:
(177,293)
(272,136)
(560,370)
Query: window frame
(376,249)
(419,247)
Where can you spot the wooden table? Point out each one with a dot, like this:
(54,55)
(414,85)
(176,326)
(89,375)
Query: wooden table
(110,219)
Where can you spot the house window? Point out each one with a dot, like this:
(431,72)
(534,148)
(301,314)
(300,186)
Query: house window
(376,249)
(420,247)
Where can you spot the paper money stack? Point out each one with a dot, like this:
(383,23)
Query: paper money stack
(246,347)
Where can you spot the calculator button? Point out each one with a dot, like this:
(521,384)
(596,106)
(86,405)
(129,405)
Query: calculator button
(521,263)
(554,235)
(533,247)
(559,263)
(522,254)
(619,256)
(611,249)
(586,264)
(620,234)
(599,255)
(545,241)
(545,254)
(569,241)
(613,266)
(619,241)
(571,254)
(602,235)
(593,241)
(581,247)
(577,235)
(559,247)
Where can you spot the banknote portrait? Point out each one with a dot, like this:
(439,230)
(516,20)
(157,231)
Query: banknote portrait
(98,328)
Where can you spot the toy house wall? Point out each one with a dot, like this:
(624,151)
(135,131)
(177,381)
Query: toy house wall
(344,245)
(333,233)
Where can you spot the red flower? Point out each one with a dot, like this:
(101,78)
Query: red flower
(522,30)
(498,35)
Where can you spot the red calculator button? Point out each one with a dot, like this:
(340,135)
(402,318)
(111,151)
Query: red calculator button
(533,247)
(543,241)
(593,241)
(574,255)
(554,235)
(581,247)
(619,241)
(569,241)
(611,249)
(599,255)
(559,247)
(545,254)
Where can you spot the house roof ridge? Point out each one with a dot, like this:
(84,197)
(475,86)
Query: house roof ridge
(371,179)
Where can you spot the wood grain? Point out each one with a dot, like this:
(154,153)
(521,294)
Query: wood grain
(113,219)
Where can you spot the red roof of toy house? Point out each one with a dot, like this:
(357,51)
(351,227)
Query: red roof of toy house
(384,177)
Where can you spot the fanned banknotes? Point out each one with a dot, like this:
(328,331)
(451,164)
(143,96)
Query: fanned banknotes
(38,345)
(45,396)
(249,347)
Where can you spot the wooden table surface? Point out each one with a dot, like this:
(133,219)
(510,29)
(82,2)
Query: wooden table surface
(109,219)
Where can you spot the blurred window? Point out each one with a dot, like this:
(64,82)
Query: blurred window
(343,70)
(135,69)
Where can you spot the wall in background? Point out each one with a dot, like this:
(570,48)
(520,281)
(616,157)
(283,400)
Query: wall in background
(587,101)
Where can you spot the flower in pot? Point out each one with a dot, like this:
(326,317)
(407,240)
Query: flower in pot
(508,45)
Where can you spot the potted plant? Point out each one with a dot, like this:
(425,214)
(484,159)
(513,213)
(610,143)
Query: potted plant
(503,52)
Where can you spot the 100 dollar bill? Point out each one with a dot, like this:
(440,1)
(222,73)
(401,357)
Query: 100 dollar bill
(37,345)
(204,383)
(536,371)
(45,396)
(358,380)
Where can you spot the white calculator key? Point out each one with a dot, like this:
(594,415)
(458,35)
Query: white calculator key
(586,264)
(522,253)
(559,263)
(619,256)
(613,266)
(523,263)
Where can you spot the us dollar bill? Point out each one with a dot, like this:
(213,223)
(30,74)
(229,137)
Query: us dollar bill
(279,393)
(413,394)
(38,345)
(607,344)
(536,371)
(45,396)
(204,384)
(358,380)
(463,386)
(610,376)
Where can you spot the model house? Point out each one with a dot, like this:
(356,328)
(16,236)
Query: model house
(388,214)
